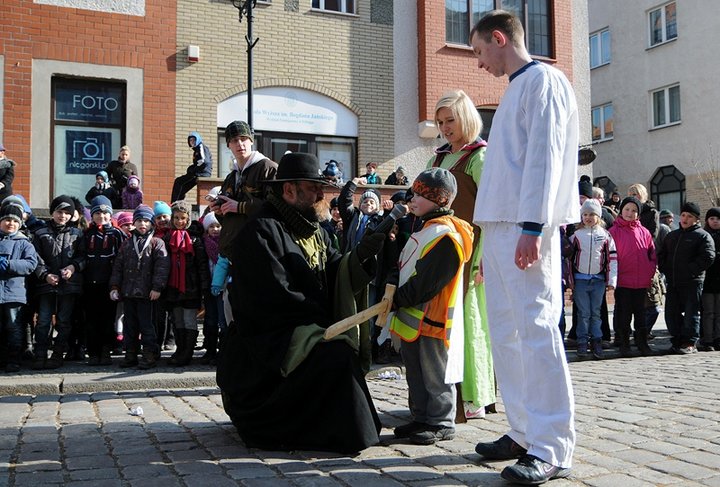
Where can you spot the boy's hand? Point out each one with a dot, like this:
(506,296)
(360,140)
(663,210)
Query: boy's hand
(52,279)
(154,295)
(67,272)
(115,295)
(387,205)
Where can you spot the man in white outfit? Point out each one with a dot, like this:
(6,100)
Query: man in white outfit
(532,146)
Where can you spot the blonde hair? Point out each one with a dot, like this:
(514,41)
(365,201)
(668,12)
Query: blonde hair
(639,190)
(464,112)
(598,221)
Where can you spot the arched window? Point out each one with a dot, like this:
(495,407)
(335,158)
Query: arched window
(606,184)
(667,189)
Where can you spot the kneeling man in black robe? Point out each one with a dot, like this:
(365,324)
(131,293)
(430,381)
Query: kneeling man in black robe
(283,385)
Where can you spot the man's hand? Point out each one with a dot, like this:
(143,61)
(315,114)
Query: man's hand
(227,205)
(154,295)
(360,181)
(52,279)
(115,295)
(527,251)
(387,205)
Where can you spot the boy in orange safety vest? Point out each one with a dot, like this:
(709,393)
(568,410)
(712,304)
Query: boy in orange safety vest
(429,310)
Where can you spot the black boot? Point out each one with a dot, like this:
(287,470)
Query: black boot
(188,347)
(624,340)
(210,345)
(641,342)
(179,345)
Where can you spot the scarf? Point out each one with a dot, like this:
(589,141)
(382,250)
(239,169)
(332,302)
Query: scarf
(180,245)
(305,234)
(212,247)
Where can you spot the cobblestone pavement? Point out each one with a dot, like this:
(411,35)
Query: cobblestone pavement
(640,421)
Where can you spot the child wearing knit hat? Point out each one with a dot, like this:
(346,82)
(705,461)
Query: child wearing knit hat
(686,253)
(214,322)
(710,336)
(139,275)
(132,196)
(357,220)
(18,260)
(594,270)
(636,266)
(61,249)
(430,289)
(102,244)
(102,187)
(189,276)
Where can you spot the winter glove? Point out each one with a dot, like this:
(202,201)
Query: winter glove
(369,245)
(4,264)
(215,290)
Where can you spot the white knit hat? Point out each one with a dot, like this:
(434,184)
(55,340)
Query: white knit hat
(591,206)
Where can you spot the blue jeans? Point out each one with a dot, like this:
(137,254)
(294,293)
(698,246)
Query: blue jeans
(682,313)
(588,295)
(11,329)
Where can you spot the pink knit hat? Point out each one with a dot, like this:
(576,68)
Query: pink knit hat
(123,218)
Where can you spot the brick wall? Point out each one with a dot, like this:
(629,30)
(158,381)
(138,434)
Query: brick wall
(349,58)
(442,67)
(31,31)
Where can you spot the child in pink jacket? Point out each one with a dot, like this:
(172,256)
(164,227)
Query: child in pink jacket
(636,267)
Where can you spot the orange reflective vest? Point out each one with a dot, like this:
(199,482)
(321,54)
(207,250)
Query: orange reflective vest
(435,317)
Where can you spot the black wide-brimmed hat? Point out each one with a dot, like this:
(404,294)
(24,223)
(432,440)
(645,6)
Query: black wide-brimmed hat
(300,166)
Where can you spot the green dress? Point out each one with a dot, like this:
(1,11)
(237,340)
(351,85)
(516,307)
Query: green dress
(478,385)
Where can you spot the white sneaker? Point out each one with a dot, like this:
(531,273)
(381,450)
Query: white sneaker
(472,411)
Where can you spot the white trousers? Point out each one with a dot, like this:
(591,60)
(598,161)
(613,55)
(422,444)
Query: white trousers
(523,313)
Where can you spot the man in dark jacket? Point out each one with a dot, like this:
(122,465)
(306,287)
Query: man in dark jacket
(290,287)
(685,255)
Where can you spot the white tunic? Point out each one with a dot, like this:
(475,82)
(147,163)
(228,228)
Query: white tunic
(530,172)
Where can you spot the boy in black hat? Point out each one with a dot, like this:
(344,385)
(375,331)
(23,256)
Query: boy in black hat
(18,259)
(61,248)
(684,256)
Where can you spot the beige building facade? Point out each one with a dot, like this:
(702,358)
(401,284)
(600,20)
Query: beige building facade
(322,80)
(653,98)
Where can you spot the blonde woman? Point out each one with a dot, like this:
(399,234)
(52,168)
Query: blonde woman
(649,216)
(463,155)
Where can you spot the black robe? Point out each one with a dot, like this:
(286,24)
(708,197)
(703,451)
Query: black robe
(324,403)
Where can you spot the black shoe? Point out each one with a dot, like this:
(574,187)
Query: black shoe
(504,448)
(12,367)
(432,434)
(407,430)
(530,470)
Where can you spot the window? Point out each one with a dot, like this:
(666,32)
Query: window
(607,185)
(663,24)
(343,6)
(602,123)
(462,15)
(88,129)
(667,188)
(486,115)
(666,106)
(600,48)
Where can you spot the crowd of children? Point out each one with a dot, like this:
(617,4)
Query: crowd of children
(678,265)
(88,283)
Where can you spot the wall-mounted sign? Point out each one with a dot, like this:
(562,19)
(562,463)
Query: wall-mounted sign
(89,104)
(87,152)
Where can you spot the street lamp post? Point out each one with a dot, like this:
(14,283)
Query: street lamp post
(246,7)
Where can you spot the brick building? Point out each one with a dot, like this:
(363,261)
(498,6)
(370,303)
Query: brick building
(78,79)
